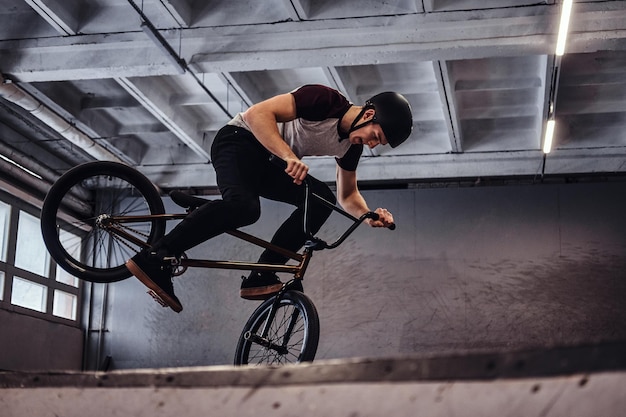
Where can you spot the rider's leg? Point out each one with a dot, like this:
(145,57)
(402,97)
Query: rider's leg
(291,235)
(234,159)
(207,221)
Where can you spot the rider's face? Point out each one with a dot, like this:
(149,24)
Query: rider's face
(370,135)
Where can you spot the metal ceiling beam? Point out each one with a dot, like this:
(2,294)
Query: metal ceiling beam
(448,100)
(63,58)
(325,43)
(337,81)
(240,86)
(180,11)
(407,38)
(179,63)
(544,104)
(98,103)
(479,164)
(61,15)
(296,9)
(447,5)
(146,92)
(439,167)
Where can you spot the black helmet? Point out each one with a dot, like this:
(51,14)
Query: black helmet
(393,114)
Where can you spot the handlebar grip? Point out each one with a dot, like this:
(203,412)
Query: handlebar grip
(375,216)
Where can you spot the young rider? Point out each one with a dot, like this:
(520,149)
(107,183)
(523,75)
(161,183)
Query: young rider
(311,120)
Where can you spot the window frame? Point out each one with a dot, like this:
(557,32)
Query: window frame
(10,270)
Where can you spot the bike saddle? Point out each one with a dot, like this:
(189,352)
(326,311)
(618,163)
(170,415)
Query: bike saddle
(187,201)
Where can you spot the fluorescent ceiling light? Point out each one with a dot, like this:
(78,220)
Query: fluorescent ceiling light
(28,171)
(547,141)
(566,11)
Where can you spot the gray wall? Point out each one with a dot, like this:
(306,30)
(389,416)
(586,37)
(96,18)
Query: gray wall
(32,344)
(467,269)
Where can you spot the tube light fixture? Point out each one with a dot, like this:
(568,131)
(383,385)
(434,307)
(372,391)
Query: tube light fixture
(566,11)
(26,170)
(547,141)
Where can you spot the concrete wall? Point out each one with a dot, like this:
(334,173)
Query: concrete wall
(467,269)
(31,344)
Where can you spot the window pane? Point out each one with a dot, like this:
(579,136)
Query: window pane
(1,285)
(29,294)
(30,252)
(5,215)
(64,305)
(72,243)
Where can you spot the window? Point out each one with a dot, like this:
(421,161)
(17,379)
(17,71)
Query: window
(61,274)
(30,252)
(30,282)
(64,305)
(28,294)
(5,212)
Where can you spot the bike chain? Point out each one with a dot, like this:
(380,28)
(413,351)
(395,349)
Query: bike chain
(122,241)
(177,270)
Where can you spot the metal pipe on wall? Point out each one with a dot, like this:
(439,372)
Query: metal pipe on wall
(16,95)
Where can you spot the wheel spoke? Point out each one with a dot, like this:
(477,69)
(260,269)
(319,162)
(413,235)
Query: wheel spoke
(95,193)
(291,337)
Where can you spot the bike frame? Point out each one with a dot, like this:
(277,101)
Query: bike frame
(110,223)
(115,225)
(126,230)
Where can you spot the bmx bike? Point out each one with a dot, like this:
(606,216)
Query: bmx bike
(99,214)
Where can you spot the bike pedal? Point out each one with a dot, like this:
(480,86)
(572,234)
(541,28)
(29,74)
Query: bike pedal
(157,298)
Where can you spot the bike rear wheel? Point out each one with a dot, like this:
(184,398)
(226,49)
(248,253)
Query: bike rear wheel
(288,334)
(78,214)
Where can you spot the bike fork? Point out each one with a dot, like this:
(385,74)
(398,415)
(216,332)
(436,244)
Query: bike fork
(262,339)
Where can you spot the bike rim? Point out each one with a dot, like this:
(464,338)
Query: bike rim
(86,239)
(288,329)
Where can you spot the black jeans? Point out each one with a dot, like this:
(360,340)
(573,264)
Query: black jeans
(244,173)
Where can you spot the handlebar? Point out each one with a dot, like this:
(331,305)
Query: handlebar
(357,221)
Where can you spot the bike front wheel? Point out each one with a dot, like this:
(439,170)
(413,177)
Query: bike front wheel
(280,331)
(85,208)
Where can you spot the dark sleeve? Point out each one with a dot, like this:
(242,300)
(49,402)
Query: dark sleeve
(350,160)
(317,102)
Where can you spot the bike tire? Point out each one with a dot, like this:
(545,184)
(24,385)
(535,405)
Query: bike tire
(72,213)
(302,339)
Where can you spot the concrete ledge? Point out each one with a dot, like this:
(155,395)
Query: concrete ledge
(556,361)
(571,381)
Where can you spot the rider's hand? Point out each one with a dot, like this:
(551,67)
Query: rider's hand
(296,169)
(385,219)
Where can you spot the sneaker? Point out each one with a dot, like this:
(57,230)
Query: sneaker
(260,286)
(156,275)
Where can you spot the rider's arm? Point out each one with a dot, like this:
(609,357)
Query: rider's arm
(262,118)
(352,201)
